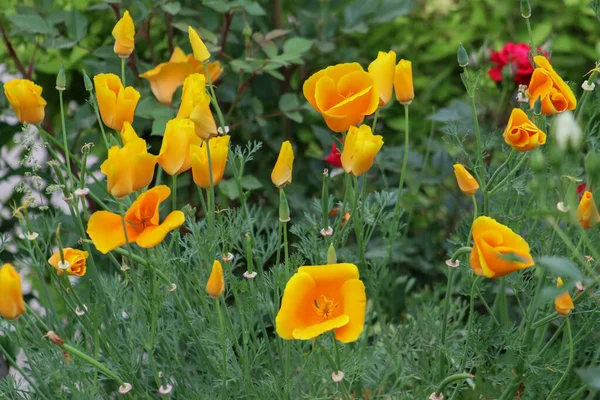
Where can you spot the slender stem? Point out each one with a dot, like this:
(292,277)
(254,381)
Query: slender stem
(547,319)
(214,101)
(285,247)
(357,223)
(65,144)
(223,337)
(92,361)
(487,307)
(450,379)
(325,202)
(279,234)
(569,364)
(474,218)
(505,179)
(335,367)
(532,47)
(375,120)
(123,60)
(394,225)
(442,356)
(13,364)
(584,97)
(508,159)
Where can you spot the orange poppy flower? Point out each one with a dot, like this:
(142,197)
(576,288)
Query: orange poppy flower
(11,297)
(467,184)
(587,212)
(555,94)
(75,258)
(25,98)
(216,282)
(142,220)
(521,133)
(563,303)
(322,298)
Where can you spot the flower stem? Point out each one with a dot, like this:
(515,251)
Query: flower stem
(505,179)
(285,248)
(13,364)
(336,367)
(214,101)
(65,143)
(442,357)
(545,320)
(450,379)
(223,339)
(569,364)
(474,218)
(92,361)
(394,225)
(123,60)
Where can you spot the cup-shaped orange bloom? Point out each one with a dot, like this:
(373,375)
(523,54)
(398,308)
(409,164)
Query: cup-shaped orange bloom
(563,303)
(403,82)
(497,250)
(467,184)
(282,172)
(11,297)
(195,105)
(587,212)
(142,221)
(555,94)
(201,53)
(219,149)
(216,282)
(124,34)
(382,69)
(75,258)
(116,103)
(322,298)
(25,98)
(174,156)
(521,134)
(360,149)
(128,168)
(166,77)
(343,94)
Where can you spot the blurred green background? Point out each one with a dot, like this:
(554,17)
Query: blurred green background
(270,48)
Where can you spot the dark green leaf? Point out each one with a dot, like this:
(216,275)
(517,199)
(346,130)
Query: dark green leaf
(560,266)
(171,8)
(77,25)
(297,45)
(32,23)
(590,376)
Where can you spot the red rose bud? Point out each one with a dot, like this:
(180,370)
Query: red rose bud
(335,157)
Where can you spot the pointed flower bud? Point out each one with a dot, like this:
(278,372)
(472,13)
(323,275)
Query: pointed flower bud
(284,208)
(216,282)
(331,255)
(563,303)
(525,9)
(462,56)
(467,184)
(61,79)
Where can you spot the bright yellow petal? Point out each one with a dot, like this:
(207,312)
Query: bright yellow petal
(153,235)
(106,231)
(312,331)
(297,297)
(201,53)
(326,274)
(354,306)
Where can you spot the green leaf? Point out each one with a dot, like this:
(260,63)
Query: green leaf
(229,188)
(149,108)
(218,5)
(32,23)
(171,8)
(297,45)
(288,102)
(252,8)
(58,43)
(77,25)
(560,266)
(590,376)
(249,182)
(159,125)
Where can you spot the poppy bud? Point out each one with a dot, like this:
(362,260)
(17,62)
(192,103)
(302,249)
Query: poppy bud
(216,283)
(331,256)
(61,79)
(462,56)
(284,208)
(525,9)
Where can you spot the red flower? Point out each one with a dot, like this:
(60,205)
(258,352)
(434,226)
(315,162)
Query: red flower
(517,55)
(335,157)
(581,189)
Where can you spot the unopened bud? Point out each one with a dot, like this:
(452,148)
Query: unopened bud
(247,31)
(331,255)
(87,82)
(61,79)
(462,56)
(525,9)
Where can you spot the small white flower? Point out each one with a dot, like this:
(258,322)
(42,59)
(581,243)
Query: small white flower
(63,264)
(567,132)
(562,207)
(327,232)
(220,130)
(589,259)
(588,86)
(32,236)
(434,396)
(124,267)
(124,315)
(325,172)
(227,257)
(125,388)
(250,275)
(453,264)
(82,192)
(337,377)
(67,198)
(522,98)
(173,287)
(165,389)
(579,286)
(79,311)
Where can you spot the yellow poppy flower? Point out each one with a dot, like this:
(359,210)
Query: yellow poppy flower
(201,53)
(75,258)
(587,212)
(174,156)
(360,149)
(318,299)
(11,297)
(467,184)
(382,70)
(116,103)
(403,82)
(195,105)
(216,282)
(25,98)
(142,221)
(124,34)
(563,303)
(282,172)
(219,149)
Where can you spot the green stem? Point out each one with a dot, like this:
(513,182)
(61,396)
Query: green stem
(375,121)
(13,364)
(214,101)
(325,202)
(450,379)
(357,223)
(65,144)
(569,364)
(532,47)
(335,367)
(474,218)
(500,168)
(223,337)
(545,320)
(279,234)
(442,356)
(123,60)
(505,179)
(92,361)
(487,307)
(584,97)
(285,248)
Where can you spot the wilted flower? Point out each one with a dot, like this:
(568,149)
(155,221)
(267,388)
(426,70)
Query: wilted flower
(497,250)
(25,98)
(345,95)
(142,221)
(322,298)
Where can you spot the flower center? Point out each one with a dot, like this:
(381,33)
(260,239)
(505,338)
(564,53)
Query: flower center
(325,307)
